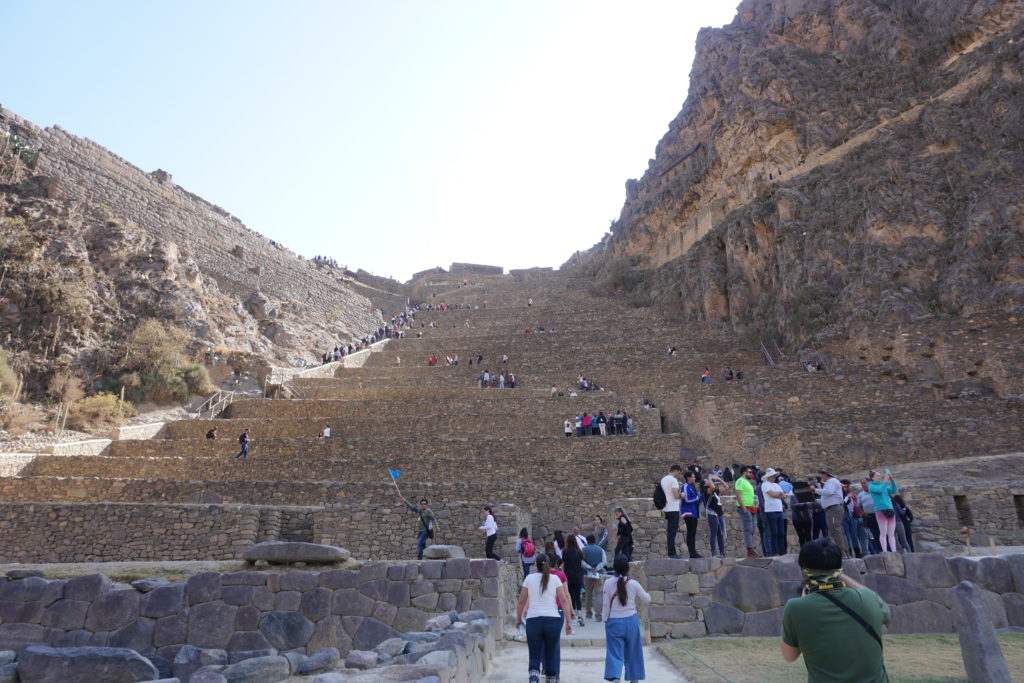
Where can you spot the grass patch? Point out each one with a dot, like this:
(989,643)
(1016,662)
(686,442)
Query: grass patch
(920,658)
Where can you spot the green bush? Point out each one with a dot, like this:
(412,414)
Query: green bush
(101,410)
(197,378)
(163,387)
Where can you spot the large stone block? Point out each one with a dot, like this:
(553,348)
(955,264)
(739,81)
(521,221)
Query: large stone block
(1016,563)
(163,601)
(372,572)
(338,578)
(67,615)
(928,570)
(44,664)
(350,602)
(994,575)
(190,659)
(721,618)
(294,551)
(1013,604)
(170,631)
(921,617)
(29,589)
(457,568)
(443,552)
(750,589)
(203,587)
(672,613)
(248,641)
(211,625)
(664,566)
(767,623)
(995,608)
(892,589)
(301,581)
(16,610)
(410,619)
(13,636)
(982,655)
(113,610)
(330,632)
(87,588)
(247,618)
(237,595)
(376,589)
(371,633)
(398,594)
(885,563)
(286,630)
(384,612)
(137,636)
(316,604)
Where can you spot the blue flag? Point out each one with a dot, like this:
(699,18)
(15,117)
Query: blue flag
(395,474)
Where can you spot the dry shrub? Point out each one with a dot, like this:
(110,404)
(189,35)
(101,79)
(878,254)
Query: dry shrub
(99,411)
(9,381)
(21,418)
(66,387)
(154,345)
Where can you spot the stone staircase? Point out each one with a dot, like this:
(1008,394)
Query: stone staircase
(181,496)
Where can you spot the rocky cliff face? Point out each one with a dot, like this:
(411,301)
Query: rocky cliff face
(837,165)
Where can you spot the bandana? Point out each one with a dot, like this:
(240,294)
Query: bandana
(822,581)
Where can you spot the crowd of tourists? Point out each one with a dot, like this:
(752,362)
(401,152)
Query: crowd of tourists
(585,424)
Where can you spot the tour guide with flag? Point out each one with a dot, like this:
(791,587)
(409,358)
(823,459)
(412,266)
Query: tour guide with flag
(428,521)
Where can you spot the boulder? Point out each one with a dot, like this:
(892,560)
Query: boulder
(361,659)
(24,590)
(1016,563)
(87,588)
(190,659)
(294,551)
(146,585)
(242,655)
(15,574)
(994,575)
(258,670)
(211,624)
(203,587)
(979,645)
(324,658)
(44,664)
(391,647)
(750,589)
(443,552)
(1013,605)
(208,677)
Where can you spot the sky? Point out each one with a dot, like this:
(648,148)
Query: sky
(390,135)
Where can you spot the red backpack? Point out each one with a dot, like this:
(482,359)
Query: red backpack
(528,548)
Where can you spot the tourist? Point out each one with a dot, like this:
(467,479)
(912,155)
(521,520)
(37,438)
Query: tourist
(594,560)
(511,380)
(325,433)
(538,601)
(801,502)
(746,506)
(579,424)
(559,540)
(773,497)
(554,391)
(580,539)
(905,517)
(882,488)
(837,623)
(715,514)
(851,520)
(689,510)
(620,422)
(600,531)
(623,535)
(831,494)
(673,496)
(490,529)
(504,358)
(568,427)
(527,550)
(727,374)
(427,523)
(867,506)
(212,434)
(602,423)
(243,440)
(629,424)
(705,378)
(624,647)
(587,421)
(572,565)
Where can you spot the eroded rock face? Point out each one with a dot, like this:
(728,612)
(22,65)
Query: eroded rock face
(804,188)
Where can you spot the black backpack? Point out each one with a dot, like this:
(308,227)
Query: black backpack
(659,497)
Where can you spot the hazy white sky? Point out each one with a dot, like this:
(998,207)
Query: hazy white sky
(392,135)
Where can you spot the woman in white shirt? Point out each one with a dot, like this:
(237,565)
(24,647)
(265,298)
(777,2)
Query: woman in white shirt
(537,600)
(623,642)
(489,527)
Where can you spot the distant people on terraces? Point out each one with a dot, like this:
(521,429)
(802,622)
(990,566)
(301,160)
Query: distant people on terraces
(705,378)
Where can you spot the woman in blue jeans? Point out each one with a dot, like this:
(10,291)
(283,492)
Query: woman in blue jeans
(538,600)
(624,647)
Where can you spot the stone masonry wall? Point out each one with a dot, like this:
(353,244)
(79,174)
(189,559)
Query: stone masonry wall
(239,259)
(693,598)
(294,610)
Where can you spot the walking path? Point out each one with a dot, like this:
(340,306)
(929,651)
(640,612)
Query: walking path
(578,664)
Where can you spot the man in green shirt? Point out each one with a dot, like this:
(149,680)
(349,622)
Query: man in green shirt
(837,623)
(428,522)
(746,503)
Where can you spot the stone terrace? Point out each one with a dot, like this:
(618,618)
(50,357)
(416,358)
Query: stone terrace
(181,496)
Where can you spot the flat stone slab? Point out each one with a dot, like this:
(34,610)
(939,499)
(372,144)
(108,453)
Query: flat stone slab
(443,552)
(294,551)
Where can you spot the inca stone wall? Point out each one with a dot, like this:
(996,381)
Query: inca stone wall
(294,610)
(240,260)
(712,596)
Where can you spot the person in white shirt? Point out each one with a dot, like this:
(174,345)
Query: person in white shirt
(325,433)
(670,485)
(537,605)
(624,645)
(489,527)
(773,518)
(831,494)
(581,540)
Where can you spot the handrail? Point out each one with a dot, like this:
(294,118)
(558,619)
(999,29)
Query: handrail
(767,355)
(216,404)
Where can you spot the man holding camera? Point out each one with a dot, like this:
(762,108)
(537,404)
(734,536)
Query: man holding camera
(831,494)
(836,623)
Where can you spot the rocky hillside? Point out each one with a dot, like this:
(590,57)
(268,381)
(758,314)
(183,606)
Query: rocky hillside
(838,165)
